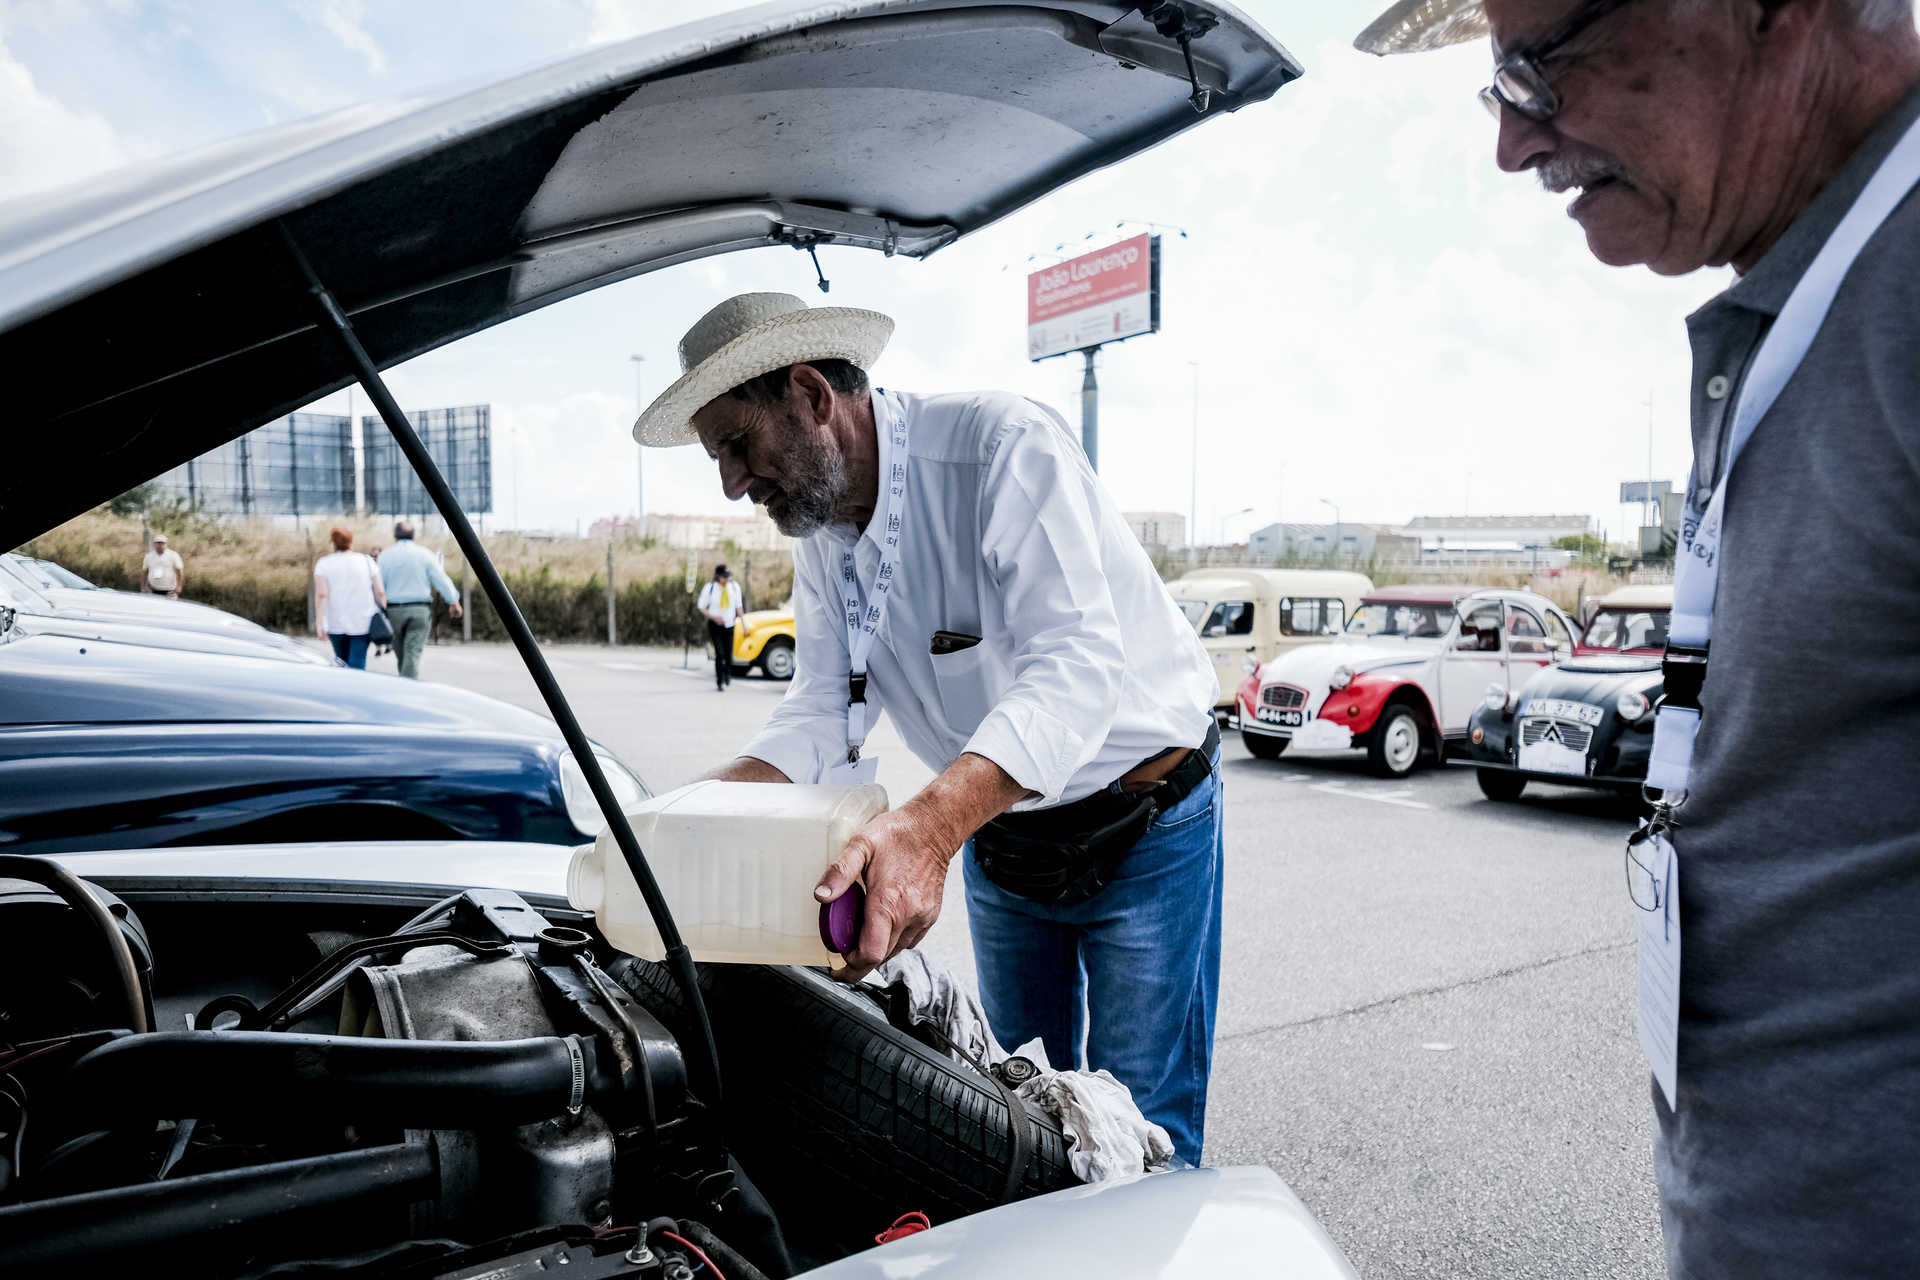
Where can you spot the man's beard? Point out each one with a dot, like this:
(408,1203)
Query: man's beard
(814,491)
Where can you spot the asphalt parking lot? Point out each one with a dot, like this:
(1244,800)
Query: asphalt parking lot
(1426,1022)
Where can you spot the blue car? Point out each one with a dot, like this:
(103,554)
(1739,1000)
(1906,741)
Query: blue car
(130,746)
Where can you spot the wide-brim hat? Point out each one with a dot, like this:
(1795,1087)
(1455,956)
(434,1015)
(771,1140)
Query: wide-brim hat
(1416,26)
(752,334)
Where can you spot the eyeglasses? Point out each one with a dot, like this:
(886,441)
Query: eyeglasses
(1519,82)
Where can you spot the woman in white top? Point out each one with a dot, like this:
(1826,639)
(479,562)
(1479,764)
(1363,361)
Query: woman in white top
(346,592)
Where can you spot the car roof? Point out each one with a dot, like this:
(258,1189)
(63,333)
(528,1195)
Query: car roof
(893,125)
(1639,597)
(1419,593)
(1278,581)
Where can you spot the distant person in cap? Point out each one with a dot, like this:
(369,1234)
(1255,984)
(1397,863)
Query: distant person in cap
(411,574)
(162,572)
(1780,875)
(719,603)
(961,568)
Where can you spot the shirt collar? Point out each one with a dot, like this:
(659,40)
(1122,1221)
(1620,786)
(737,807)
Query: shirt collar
(884,406)
(1772,280)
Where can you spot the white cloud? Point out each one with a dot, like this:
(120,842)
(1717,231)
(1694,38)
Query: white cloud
(345,21)
(43,141)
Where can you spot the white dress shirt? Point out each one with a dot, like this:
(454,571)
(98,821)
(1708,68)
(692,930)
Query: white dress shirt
(723,600)
(1085,665)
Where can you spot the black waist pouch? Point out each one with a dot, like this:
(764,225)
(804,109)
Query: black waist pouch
(1065,855)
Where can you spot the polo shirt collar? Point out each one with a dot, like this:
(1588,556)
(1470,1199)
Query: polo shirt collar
(1767,287)
(883,459)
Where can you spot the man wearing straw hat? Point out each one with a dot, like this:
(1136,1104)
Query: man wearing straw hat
(1776,889)
(961,568)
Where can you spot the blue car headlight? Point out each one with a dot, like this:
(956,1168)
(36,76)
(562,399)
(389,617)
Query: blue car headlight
(583,811)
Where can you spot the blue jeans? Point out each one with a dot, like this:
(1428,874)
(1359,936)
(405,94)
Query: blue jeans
(1133,972)
(350,651)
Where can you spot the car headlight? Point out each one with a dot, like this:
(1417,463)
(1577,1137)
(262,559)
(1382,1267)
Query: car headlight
(1342,677)
(1496,699)
(1631,705)
(583,811)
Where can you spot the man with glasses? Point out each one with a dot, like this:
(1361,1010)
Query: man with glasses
(1782,871)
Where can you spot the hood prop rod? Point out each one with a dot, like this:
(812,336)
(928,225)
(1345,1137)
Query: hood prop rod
(333,318)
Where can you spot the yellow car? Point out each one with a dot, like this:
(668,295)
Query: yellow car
(764,639)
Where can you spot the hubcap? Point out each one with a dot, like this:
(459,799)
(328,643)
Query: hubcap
(1403,744)
(780,663)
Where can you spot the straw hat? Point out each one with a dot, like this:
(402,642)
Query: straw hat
(1416,26)
(752,334)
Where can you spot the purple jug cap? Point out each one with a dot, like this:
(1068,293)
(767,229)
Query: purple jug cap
(840,920)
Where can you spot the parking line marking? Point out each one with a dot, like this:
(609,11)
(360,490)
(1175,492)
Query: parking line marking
(1398,798)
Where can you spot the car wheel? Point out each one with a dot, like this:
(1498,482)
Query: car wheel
(829,1105)
(1394,747)
(776,663)
(1498,784)
(1264,746)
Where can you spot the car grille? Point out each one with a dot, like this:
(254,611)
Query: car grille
(1576,736)
(1283,695)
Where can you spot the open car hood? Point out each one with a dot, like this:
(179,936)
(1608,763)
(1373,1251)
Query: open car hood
(159,313)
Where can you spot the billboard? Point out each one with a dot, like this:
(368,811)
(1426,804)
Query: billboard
(300,464)
(1103,296)
(1644,490)
(459,440)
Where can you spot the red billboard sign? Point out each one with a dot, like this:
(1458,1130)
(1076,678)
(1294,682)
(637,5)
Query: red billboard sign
(1103,296)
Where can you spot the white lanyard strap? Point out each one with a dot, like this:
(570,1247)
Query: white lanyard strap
(1696,573)
(863,625)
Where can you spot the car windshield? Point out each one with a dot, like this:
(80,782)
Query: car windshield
(1627,629)
(1410,621)
(59,577)
(1196,610)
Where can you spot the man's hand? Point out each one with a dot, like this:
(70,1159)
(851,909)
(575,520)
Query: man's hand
(455,611)
(902,857)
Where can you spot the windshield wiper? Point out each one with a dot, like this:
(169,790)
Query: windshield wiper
(679,960)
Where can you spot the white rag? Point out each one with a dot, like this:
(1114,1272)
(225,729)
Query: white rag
(1107,1136)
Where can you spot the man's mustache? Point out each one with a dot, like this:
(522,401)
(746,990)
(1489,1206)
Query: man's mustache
(1565,172)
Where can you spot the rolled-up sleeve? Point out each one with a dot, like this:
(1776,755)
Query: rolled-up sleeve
(807,733)
(1040,540)
(442,583)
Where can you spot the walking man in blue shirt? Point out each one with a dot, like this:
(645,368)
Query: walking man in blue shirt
(412,574)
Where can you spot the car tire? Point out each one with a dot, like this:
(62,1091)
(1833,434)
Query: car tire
(776,660)
(1393,748)
(1262,746)
(829,1106)
(1500,785)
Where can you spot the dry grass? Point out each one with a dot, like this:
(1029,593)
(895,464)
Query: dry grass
(260,569)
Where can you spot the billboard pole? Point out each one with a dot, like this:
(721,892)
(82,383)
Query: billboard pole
(1090,409)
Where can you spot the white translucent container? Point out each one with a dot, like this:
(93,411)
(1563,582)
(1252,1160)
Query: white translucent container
(737,861)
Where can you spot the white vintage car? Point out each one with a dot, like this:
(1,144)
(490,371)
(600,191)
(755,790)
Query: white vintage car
(1405,679)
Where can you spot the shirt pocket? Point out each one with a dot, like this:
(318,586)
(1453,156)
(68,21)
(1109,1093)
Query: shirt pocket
(965,681)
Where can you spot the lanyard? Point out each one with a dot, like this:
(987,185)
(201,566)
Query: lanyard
(1696,574)
(863,626)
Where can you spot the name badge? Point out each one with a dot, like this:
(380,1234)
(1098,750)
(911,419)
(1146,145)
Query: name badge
(1653,880)
(865,769)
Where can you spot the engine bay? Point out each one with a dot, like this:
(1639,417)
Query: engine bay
(358,1088)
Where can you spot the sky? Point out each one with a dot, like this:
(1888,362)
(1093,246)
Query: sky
(1363,313)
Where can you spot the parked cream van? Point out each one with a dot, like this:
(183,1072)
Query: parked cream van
(1257,614)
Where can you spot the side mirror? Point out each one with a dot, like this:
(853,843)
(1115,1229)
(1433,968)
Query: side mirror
(1562,652)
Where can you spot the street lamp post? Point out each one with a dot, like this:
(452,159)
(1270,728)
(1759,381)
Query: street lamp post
(1193,469)
(1231,515)
(640,459)
(1337,544)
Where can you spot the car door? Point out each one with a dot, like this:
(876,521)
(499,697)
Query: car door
(1475,656)
(1529,645)
(1228,637)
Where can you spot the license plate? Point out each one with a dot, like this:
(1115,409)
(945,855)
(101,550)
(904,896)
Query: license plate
(1562,709)
(1552,757)
(1285,719)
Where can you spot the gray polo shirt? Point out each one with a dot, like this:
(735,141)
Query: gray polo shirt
(1796,1147)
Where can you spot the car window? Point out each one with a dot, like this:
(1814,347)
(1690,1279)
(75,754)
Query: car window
(1194,609)
(1414,621)
(1557,633)
(1646,631)
(1480,629)
(29,571)
(1230,618)
(1306,616)
(1525,634)
(1603,632)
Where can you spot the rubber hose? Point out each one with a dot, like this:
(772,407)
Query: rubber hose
(419,1084)
(57,878)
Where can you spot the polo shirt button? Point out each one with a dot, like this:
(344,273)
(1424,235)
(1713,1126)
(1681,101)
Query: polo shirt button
(1718,386)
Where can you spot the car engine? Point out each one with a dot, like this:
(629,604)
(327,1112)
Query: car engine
(345,1088)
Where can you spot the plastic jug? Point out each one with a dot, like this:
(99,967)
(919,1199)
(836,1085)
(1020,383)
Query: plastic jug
(737,862)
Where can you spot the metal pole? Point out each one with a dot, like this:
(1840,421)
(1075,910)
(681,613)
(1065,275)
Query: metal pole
(1090,410)
(679,959)
(1193,468)
(640,450)
(612,639)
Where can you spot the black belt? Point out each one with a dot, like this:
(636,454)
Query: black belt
(1066,854)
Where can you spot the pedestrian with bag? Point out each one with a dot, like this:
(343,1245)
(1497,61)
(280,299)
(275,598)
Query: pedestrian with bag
(1776,888)
(719,603)
(411,574)
(961,568)
(348,601)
